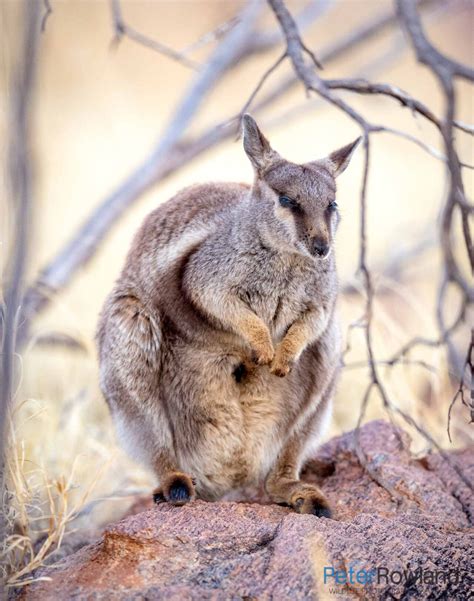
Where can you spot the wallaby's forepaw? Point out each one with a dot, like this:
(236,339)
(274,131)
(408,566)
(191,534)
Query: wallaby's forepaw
(309,499)
(264,354)
(281,364)
(177,488)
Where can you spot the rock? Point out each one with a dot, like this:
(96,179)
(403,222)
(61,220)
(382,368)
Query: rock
(416,547)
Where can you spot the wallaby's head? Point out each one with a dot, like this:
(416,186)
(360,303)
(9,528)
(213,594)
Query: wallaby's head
(303,196)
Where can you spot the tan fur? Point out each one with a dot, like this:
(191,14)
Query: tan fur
(252,329)
(220,293)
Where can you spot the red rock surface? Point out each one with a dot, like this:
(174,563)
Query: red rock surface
(251,551)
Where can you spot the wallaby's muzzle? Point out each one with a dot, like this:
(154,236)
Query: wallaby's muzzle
(320,248)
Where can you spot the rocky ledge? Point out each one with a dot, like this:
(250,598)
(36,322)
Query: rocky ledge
(417,547)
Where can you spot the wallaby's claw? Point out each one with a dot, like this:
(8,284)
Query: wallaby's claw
(280,367)
(280,370)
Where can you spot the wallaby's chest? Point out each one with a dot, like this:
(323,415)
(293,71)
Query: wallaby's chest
(278,296)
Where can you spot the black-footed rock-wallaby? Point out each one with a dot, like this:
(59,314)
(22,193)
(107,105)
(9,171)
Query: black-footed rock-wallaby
(219,345)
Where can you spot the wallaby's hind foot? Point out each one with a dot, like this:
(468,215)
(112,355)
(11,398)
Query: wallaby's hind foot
(177,489)
(309,499)
(302,497)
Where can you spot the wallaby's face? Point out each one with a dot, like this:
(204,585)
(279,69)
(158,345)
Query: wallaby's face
(304,196)
(305,199)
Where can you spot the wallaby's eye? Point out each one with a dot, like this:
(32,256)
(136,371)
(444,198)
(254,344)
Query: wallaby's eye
(332,206)
(288,203)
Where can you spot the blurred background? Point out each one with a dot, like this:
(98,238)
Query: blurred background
(99,109)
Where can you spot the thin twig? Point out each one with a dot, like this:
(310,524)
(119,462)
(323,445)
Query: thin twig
(431,342)
(121,28)
(411,422)
(388,363)
(426,147)
(469,363)
(260,84)
(47,11)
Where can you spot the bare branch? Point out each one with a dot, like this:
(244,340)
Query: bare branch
(362,86)
(446,70)
(20,197)
(313,82)
(426,53)
(428,342)
(310,13)
(121,28)
(296,49)
(61,339)
(335,50)
(294,42)
(84,243)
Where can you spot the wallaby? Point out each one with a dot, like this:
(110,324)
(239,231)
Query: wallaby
(219,345)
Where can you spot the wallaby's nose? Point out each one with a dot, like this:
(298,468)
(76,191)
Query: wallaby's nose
(320,247)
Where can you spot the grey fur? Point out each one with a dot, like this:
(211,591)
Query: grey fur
(220,295)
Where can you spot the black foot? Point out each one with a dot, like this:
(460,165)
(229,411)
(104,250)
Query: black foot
(178,488)
(321,511)
(312,502)
(179,491)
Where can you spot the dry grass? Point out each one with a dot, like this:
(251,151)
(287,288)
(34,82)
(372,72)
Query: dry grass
(38,511)
(44,503)
(64,473)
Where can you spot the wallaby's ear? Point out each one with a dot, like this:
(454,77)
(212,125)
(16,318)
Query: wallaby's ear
(256,145)
(339,159)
